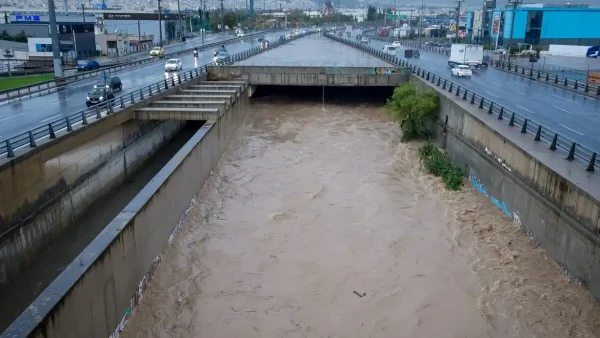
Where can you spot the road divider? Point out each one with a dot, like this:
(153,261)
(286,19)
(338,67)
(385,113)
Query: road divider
(540,133)
(53,129)
(579,86)
(47,87)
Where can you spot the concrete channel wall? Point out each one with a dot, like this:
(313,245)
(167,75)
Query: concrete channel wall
(44,190)
(315,76)
(95,294)
(553,200)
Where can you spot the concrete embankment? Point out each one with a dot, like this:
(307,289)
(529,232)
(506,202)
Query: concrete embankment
(108,278)
(45,190)
(553,200)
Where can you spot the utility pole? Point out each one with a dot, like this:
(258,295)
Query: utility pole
(160,41)
(222,13)
(58,71)
(458,2)
(139,34)
(339,4)
(421,21)
(514,4)
(180,30)
(83,12)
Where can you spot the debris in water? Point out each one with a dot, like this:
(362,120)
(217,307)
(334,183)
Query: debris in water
(358,294)
(276,215)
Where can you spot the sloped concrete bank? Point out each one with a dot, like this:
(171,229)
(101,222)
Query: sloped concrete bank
(95,294)
(553,200)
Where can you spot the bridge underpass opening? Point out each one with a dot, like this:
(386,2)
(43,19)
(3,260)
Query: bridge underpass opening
(330,94)
(318,221)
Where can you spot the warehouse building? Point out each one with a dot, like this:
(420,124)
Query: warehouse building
(536,24)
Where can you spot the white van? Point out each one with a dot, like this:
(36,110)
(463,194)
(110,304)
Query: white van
(389,49)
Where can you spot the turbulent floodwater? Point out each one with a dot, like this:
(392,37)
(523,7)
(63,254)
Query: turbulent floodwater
(318,222)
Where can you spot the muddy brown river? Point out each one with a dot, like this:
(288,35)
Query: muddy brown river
(318,222)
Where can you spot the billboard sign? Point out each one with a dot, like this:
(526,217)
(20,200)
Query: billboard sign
(33,18)
(496,24)
(138,16)
(594,77)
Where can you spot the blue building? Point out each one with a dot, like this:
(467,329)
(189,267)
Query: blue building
(537,25)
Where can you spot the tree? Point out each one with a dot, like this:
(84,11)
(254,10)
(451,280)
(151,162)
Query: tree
(414,109)
(371,13)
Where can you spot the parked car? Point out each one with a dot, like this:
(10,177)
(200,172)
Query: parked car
(173,65)
(157,52)
(86,65)
(111,82)
(462,71)
(99,96)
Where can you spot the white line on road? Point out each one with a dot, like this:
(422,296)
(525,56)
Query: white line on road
(525,109)
(10,117)
(468,84)
(563,98)
(51,118)
(520,84)
(575,131)
(566,111)
(497,85)
(494,95)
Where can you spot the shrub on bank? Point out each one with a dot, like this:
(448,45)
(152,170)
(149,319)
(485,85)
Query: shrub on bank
(439,164)
(414,109)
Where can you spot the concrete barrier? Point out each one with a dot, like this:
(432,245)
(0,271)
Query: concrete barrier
(551,199)
(315,76)
(44,190)
(95,294)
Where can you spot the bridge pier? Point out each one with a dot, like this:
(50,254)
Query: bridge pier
(251,90)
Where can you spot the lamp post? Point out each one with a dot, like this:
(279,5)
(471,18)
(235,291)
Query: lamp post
(514,4)
(421,21)
(180,30)
(83,12)
(58,71)
(458,2)
(160,40)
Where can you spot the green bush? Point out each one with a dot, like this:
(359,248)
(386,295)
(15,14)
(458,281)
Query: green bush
(414,109)
(439,164)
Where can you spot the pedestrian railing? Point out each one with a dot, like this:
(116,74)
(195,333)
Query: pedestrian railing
(50,86)
(583,87)
(66,124)
(540,133)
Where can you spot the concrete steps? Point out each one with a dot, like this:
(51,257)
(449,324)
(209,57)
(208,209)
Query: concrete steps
(189,104)
(177,113)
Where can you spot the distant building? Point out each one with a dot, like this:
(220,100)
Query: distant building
(536,24)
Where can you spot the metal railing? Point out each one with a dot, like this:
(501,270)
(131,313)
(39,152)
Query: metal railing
(50,86)
(574,150)
(580,86)
(66,124)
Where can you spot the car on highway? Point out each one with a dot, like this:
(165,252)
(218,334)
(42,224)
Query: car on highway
(173,65)
(111,82)
(396,44)
(365,40)
(240,34)
(262,38)
(157,52)
(264,44)
(99,96)
(389,50)
(462,71)
(86,65)
(222,58)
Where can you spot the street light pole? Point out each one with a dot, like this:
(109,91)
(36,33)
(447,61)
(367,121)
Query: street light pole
(58,71)
(421,21)
(83,12)
(458,2)
(160,40)
(515,4)
(180,30)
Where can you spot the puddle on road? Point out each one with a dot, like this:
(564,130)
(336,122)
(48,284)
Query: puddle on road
(319,223)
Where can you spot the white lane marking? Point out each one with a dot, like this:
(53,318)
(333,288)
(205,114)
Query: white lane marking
(575,131)
(495,84)
(563,98)
(520,84)
(494,95)
(525,109)
(10,117)
(566,111)
(468,84)
(51,118)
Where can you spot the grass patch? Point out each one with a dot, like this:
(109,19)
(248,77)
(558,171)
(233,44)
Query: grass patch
(439,164)
(21,81)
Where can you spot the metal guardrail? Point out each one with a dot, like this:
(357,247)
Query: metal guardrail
(52,85)
(83,117)
(556,141)
(582,87)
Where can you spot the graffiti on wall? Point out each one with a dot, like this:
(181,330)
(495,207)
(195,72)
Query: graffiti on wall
(139,293)
(514,216)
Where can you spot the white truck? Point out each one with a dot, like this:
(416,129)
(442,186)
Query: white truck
(466,54)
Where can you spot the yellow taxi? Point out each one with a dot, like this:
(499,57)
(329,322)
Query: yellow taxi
(157,51)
